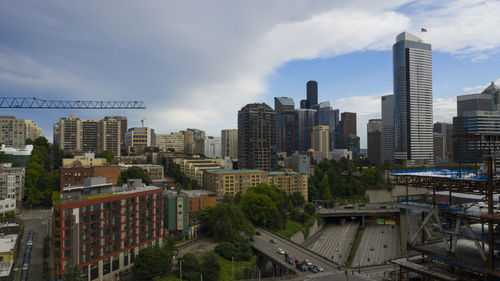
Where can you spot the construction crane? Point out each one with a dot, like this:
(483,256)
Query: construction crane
(8,102)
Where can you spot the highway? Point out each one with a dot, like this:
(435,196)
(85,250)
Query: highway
(378,244)
(360,210)
(331,270)
(334,241)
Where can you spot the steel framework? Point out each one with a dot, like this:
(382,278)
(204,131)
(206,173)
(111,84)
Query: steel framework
(442,225)
(34,103)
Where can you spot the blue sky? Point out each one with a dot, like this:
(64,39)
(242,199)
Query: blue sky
(195,64)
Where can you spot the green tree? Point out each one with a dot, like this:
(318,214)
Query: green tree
(190,267)
(152,262)
(106,154)
(225,222)
(260,209)
(135,172)
(371,178)
(310,208)
(73,273)
(210,267)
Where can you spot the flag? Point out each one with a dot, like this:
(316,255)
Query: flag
(423,30)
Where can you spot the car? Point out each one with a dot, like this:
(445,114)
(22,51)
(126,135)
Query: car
(257,233)
(289,260)
(320,269)
(25,266)
(372,249)
(313,268)
(280,251)
(349,206)
(385,245)
(307,262)
(273,241)
(302,267)
(361,204)
(383,206)
(297,261)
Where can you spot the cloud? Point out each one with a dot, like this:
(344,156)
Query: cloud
(444,109)
(480,88)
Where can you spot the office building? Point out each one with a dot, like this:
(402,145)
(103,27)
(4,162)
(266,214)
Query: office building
(213,147)
(299,162)
(320,140)
(412,66)
(229,143)
(283,104)
(140,137)
(388,128)
(443,141)
(12,131)
(194,141)
(17,154)
(102,229)
(374,137)
(352,143)
(168,142)
(12,180)
(337,154)
(328,116)
(256,137)
(312,93)
(477,114)
(224,182)
(347,127)
(304,104)
(285,132)
(305,120)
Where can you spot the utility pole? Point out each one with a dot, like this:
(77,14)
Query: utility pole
(180,269)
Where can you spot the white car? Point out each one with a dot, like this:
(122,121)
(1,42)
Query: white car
(280,251)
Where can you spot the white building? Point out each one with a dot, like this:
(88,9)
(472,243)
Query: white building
(337,154)
(213,147)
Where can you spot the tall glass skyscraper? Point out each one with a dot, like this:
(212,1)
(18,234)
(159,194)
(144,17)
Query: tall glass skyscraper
(412,66)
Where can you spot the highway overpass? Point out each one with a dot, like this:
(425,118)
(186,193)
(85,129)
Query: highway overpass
(360,210)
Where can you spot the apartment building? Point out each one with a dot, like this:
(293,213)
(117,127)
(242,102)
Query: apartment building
(174,140)
(75,175)
(155,172)
(289,182)
(102,228)
(11,184)
(85,160)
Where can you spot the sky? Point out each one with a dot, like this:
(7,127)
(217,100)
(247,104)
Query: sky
(196,63)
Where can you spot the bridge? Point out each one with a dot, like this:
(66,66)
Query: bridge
(332,271)
(360,210)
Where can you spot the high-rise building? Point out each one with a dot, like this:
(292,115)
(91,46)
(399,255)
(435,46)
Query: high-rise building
(443,141)
(347,128)
(15,131)
(388,128)
(102,229)
(194,141)
(256,137)
(312,93)
(412,66)
(352,144)
(283,104)
(285,132)
(374,136)
(320,140)
(112,134)
(477,114)
(304,104)
(229,143)
(213,147)
(174,140)
(305,120)
(68,134)
(31,130)
(329,117)
(91,134)
(140,137)
(123,127)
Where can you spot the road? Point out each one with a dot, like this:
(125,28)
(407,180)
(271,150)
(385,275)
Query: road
(379,244)
(39,221)
(331,270)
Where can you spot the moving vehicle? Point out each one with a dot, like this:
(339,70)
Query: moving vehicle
(273,241)
(320,269)
(257,233)
(280,251)
(342,221)
(289,260)
(313,268)
(307,262)
(349,206)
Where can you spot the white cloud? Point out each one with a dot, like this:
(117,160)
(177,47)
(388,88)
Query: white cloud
(444,109)
(480,88)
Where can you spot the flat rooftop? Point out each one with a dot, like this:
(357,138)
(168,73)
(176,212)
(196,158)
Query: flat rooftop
(443,173)
(115,191)
(235,171)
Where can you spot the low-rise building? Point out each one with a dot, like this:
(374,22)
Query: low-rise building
(85,160)
(337,154)
(102,229)
(199,199)
(7,206)
(8,249)
(224,182)
(193,167)
(300,162)
(72,176)
(155,172)
(12,183)
(17,153)
(176,212)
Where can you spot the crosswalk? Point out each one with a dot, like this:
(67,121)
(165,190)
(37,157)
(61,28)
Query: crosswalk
(365,276)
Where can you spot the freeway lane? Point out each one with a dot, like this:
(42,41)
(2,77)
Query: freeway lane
(331,271)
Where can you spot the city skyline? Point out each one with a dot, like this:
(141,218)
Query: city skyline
(49,54)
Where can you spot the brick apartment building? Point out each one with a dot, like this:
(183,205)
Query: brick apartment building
(102,228)
(73,176)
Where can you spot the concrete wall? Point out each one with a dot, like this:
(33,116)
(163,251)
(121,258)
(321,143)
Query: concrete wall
(299,236)
(383,195)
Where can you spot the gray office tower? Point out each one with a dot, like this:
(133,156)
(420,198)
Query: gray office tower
(388,128)
(412,66)
(312,93)
(328,116)
(304,123)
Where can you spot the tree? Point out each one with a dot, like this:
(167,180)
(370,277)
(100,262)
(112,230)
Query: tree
(106,154)
(260,209)
(152,262)
(310,208)
(210,267)
(190,267)
(73,273)
(135,172)
(225,222)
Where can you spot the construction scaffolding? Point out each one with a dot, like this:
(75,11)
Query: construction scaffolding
(458,233)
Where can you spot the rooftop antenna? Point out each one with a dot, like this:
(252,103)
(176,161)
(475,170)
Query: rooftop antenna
(142,121)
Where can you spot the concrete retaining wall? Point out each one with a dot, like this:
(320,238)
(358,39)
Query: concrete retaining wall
(299,236)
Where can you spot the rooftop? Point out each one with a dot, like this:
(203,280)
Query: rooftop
(114,192)
(408,37)
(7,242)
(196,192)
(286,101)
(442,173)
(244,171)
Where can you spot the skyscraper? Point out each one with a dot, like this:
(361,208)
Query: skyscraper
(305,120)
(283,104)
(412,67)
(320,140)
(256,137)
(213,147)
(374,136)
(312,93)
(347,127)
(388,128)
(329,117)
(229,143)
(285,133)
